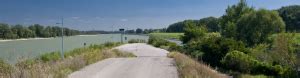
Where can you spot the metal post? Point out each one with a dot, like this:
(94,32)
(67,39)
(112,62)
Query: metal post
(62,38)
(122,33)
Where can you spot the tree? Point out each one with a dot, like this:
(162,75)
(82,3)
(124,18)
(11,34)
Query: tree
(36,30)
(256,26)
(232,15)
(291,17)
(28,33)
(284,49)
(192,31)
(176,27)
(3,29)
(211,23)
(19,30)
(138,31)
(130,31)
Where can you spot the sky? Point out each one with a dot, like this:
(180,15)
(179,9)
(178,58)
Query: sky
(115,14)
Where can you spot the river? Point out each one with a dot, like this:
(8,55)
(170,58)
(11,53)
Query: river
(12,51)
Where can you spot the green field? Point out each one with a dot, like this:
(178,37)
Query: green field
(167,35)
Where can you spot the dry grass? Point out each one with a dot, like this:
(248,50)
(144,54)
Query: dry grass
(60,68)
(189,68)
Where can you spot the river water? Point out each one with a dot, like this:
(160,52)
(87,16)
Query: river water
(12,51)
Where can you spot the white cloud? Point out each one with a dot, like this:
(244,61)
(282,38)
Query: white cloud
(98,17)
(75,17)
(124,19)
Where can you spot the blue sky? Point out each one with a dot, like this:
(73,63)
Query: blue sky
(114,14)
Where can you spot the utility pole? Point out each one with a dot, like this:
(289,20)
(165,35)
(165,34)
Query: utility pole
(62,37)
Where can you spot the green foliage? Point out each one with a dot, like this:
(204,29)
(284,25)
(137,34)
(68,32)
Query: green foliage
(5,69)
(261,53)
(236,60)
(283,49)
(256,26)
(176,27)
(157,41)
(167,35)
(246,44)
(36,30)
(53,56)
(136,41)
(147,31)
(211,23)
(191,31)
(229,20)
(139,31)
(213,48)
(291,17)
(239,61)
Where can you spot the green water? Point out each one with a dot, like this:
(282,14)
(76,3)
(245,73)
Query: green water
(12,51)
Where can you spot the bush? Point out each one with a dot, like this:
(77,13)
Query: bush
(54,56)
(111,44)
(136,41)
(189,68)
(5,69)
(212,49)
(239,61)
(236,60)
(162,43)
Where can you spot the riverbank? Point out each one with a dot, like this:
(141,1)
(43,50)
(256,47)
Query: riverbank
(51,65)
(23,39)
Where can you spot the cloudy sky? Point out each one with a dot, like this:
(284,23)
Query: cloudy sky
(114,14)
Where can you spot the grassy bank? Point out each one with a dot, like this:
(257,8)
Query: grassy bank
(186,66)
(167,35)
(51,66)
(189,68)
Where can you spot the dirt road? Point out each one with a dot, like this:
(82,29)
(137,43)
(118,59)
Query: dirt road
(150,62)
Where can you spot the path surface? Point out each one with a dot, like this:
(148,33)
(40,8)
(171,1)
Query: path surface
(151,62)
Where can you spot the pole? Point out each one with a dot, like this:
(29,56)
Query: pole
(122,37)
(62,38)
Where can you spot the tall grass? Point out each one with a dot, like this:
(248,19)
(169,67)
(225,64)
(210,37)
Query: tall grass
(51,66)
(189,68)
(167,35)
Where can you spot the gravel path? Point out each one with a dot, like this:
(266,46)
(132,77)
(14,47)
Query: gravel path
(150,62)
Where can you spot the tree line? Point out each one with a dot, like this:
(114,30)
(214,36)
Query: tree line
(32,31)
(145,31)
(244,40)
(289,14)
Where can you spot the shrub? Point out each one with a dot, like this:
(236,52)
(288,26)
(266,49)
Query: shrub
(213,49)
(162,43)
(54,56)
(136,41)
(189,68)
(239,61)
(236,60)
(5,69)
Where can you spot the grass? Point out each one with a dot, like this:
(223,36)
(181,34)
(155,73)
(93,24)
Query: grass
(253,76)
(137,41)
(189,68)
(297,38)
(51,66)
(167,35)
